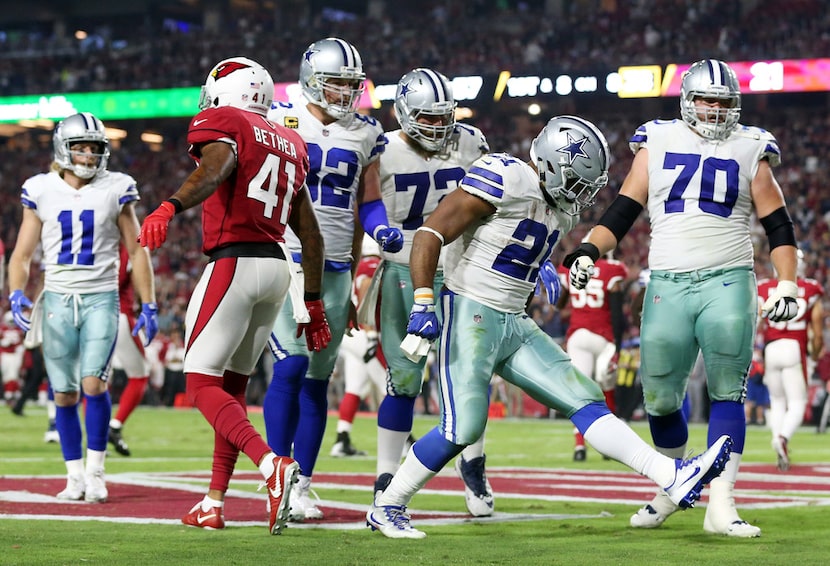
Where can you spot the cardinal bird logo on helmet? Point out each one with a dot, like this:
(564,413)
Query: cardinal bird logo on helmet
(228,67)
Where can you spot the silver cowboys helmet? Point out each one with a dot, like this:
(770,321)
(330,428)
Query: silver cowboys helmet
(239,82)
(423,92)
(711,79)
(83,127)
(327,60)
(572,158)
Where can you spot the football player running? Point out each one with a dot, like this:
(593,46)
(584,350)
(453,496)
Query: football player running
(501,225)
(79,212)
(787,346)
(424,162)
(700,178)
(344,148)
(250,181)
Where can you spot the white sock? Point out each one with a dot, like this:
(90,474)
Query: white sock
(75,467)
(474,450)
(390,447)
(208,503)
(613,438)
(344,426)
(116,424)
(95,459)
(410,478)
(266,466)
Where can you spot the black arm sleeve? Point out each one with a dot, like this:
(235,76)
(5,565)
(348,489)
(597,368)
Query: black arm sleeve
(620,216)
(615,303)
(779,228)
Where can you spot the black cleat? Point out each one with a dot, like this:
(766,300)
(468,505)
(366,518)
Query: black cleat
(118,442)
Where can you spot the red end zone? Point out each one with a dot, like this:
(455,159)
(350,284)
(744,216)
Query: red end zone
(165,498)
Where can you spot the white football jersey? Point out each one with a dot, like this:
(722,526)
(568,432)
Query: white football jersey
(496,261)
(699,200)
(412,185)
(80,233)
(337,154)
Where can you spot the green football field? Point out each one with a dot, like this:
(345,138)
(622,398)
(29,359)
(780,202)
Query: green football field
(549,509)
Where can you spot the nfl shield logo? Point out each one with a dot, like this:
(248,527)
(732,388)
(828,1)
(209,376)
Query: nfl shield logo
(477,318)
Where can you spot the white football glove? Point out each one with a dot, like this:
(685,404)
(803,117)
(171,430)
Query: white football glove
(582,269)
(782,305)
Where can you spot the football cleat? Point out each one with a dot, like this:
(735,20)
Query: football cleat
(279,485)
(301,505)
(75,488)
(51,434)
(580,454)
(212,519)
(118,442)
(780,446)
(392,521)
(478,494)
(96,487)
(343,447)
(691,475)
(722,518)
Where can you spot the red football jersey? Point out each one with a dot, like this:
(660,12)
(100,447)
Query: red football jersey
(126,294)
(809,292)
(589,306)
(253,204)
(365,269)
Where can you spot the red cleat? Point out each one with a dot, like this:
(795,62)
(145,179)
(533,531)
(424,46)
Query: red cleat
(279,487)
(210,520)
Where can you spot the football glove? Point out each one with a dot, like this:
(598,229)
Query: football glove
(390,239)
(19,302)
(154,229)
(423,321)
(581,272)
(550,279)
(782,305)
(149,321)
(317,333)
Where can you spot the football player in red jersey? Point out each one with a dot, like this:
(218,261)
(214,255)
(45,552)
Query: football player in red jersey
(129,355)
(786,346)
(596,327)
(250,181)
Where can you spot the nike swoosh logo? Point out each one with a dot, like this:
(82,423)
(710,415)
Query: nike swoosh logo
(694,474)
(427,325)
(276,492)
(202,518)
(197,122)
(728,283)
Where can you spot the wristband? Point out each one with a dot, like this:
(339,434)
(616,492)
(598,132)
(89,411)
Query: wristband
(424,296)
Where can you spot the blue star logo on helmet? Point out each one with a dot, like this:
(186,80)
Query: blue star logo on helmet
(574,149)
(309,54)
(405,89)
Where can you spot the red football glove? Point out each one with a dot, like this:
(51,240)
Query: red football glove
(317,333)
(154,229)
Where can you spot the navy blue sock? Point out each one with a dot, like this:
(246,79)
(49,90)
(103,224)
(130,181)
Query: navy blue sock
(434,451)
(281,407)
(727,417)
(98,414)
(309,435)
(395,413)
(669,431)
(68,424)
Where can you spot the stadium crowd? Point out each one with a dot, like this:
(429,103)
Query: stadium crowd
(494,36)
